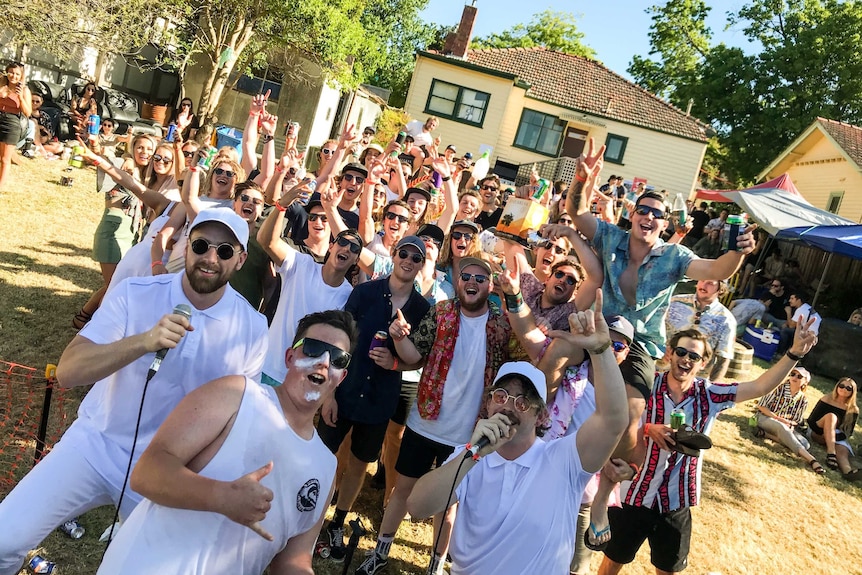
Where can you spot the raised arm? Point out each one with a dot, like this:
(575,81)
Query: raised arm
(175,222)
(595,277)
(151,199)
(249,134)
(333,165)
(520,317)
(366,215)
(577,201)
(330,197)
(163,474)
(269,234)
(803,341)
(268,124)
(450,193)
(725,265)
(601,432)
(191,193)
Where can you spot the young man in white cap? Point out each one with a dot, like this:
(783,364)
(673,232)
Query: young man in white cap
(87,468)
(516,481)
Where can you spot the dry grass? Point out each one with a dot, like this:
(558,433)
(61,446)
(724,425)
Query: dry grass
(763,512)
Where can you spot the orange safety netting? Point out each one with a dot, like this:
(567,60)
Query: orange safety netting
(22,403)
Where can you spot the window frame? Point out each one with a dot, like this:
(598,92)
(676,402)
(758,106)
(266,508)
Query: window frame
(458,103)
(562,123)
(624,141)
(834,196)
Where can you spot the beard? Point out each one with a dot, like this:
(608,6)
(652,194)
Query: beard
(205,284)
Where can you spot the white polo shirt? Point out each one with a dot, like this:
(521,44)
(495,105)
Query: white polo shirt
(517,517)
(303,291)
(229,339)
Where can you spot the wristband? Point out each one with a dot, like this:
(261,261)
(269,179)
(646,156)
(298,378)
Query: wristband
(601,349)
(793,356)
(469,446)
(279,169)
(194,169)
(155,263)
(646,430)
(266,138)
(372,182)
(514,302)
(446,179)
(394,363)
(279,207)
(579,178)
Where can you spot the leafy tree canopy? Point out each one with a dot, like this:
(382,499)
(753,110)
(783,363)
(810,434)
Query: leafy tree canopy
(553,30)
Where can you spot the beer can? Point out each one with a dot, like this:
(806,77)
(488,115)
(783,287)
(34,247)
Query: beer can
(172,132)
(72,528)
(94,122)
(39,564)
(677,419)
(379,340)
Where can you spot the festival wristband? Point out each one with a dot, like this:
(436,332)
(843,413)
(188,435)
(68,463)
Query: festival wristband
(394,364)
(515,302)
(793,356)
(579,178)
(601,349)
(155,263)
(279,207)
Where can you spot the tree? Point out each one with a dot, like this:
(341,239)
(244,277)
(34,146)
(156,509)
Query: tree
(553,30)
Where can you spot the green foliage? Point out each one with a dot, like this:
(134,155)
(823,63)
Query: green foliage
(389,123)
(553,30)
(810,65)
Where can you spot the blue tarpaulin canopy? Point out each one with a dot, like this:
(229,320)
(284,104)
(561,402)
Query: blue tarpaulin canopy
(841,240)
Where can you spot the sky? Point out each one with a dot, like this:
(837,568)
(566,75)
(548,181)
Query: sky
(615,29)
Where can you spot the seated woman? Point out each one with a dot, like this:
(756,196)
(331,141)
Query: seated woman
(780,412)
(185,119)
(832,421)
(83,106)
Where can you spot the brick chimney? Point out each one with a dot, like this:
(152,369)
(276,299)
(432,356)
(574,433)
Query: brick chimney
(458,41)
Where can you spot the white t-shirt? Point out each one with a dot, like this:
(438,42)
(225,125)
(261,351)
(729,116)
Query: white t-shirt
(420,137)
(169,541)
(518,517)
(462,392)
(804,313)
(303,291)
(229,339)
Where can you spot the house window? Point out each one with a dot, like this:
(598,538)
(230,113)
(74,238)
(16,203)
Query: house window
(261,80)
(457,103)
(834,203)
(615,148)
(539,132)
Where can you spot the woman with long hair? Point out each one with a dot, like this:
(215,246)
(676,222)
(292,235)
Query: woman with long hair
(120,225)
(185,119)
(16,105)
(832,421)
(83,106)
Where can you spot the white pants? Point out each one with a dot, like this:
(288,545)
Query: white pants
(62,486)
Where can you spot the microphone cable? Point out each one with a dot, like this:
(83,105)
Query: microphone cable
(467,455)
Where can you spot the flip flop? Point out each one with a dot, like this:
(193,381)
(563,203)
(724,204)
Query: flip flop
(816,467)
(596,534)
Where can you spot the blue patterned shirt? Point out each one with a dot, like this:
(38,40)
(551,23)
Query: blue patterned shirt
(658,275)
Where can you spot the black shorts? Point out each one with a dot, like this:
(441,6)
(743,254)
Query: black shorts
(405,401)
(365,443)
(419,455)
(669,536)
(638,369)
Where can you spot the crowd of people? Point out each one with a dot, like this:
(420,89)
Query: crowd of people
(541,400)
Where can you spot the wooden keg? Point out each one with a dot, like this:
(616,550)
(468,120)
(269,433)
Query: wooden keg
(740,365)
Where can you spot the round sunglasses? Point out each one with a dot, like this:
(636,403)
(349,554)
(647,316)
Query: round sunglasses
(416,258)
(501,396)
(224,251)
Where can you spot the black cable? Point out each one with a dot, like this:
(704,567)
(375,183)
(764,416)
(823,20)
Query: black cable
(467,456)
(150,375)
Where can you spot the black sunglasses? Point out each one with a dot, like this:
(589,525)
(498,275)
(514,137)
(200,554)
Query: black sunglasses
(480,278)
(321,217)
(682,352)
(224,251)
(427,239)
(404,254)
(338,358)
(492,188)
(327,152)
(466,235)
(221,172)
(646,210)
(351,178)
(394,216)
(569,279)
(188,154)
(255,201)
(845,386)
(344,242)
(162,159)
(559,250)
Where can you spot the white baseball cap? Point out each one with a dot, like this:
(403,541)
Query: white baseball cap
(529,372)
(227,217)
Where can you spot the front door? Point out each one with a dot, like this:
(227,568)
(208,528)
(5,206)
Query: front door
(574,143)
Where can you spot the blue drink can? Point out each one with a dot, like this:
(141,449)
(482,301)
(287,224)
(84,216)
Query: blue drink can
(172,132)
(94,122)
(39,564)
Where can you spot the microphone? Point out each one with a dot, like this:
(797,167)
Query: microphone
(474,449)
(183,310)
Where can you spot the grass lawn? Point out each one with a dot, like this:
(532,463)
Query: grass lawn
(763,512)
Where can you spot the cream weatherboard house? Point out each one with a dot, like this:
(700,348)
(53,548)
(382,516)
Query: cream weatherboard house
(533,104)
(825,163)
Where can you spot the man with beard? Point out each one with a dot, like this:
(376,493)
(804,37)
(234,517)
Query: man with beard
(236,478)
(449,342)
(516,481)
(657,505)
(224,336)
(368,397)
(306,286)
(640,274)
(489,189)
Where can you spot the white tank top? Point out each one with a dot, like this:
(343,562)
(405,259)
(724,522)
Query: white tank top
(167,541)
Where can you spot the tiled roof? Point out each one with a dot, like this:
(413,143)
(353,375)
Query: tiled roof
(586,85)
(848,136)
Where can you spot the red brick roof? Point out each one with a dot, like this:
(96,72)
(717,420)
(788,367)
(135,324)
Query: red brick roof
(586,85)
(848,136)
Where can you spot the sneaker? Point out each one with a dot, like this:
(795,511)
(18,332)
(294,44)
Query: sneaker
(337,549)
(374,563)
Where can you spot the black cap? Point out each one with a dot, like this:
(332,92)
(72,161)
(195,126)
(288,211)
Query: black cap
(414,190)
(312,203)
(355,168)
(431,231)
(467,224)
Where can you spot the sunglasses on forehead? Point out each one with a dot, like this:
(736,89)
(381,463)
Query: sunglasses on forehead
(338,358)
(224,251)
